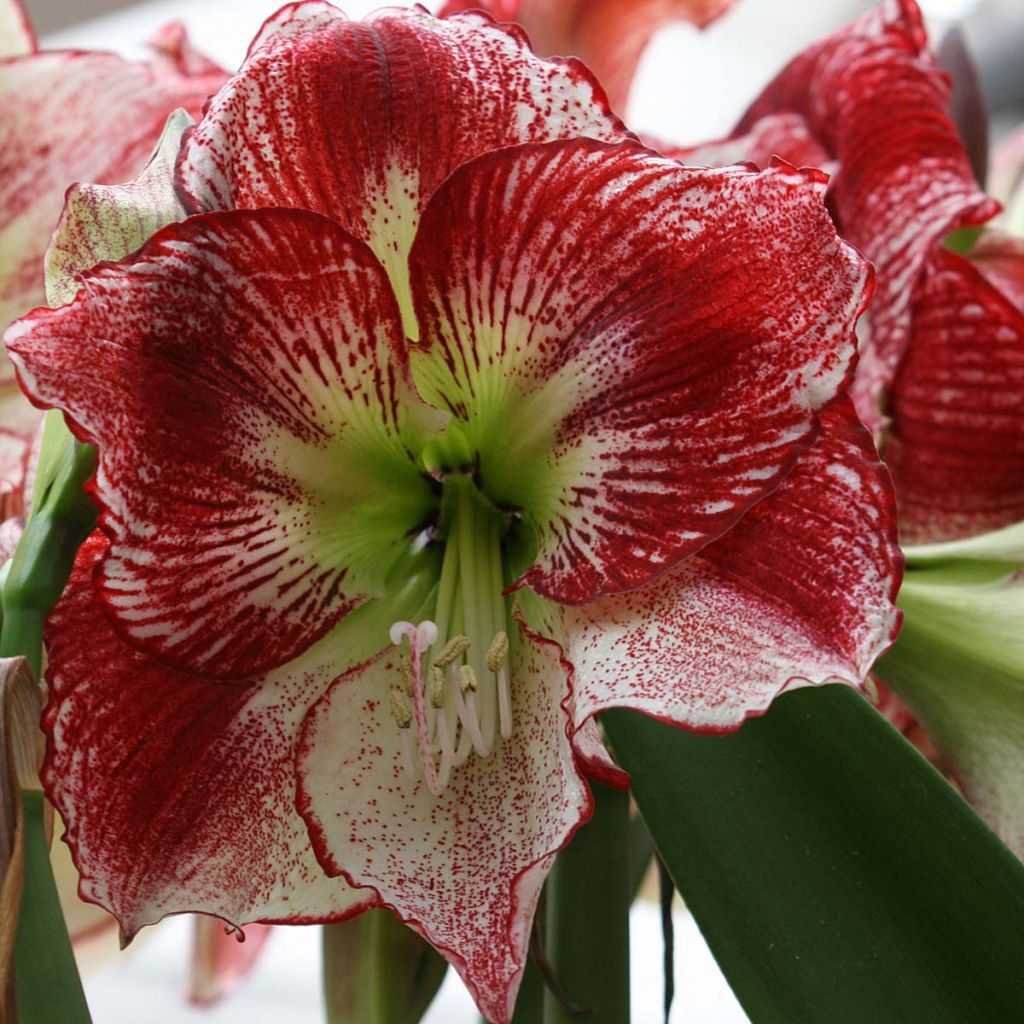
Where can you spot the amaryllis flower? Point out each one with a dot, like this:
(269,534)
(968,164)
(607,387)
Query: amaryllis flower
(69,116)
(870,104)
(608,35)
(451,417)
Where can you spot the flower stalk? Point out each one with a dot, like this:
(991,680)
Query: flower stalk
(376,969)
(588,897)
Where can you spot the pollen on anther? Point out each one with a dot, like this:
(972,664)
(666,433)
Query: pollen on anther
(436,689)
(452,651)
(498,652)
(467,679)
(401,709)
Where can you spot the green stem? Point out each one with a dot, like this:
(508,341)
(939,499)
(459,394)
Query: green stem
(588,898)
(47,982)
(376,969)
(49,990)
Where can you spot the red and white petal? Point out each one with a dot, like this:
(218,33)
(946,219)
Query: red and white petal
(463,869)
(362,121)
(107,222)
(786,135)
(16,35)
(610,330)
(879,105)
(178,792)
(999,258)
(244,377)
(801,592)
(609,36)
(68,117)
(956,446)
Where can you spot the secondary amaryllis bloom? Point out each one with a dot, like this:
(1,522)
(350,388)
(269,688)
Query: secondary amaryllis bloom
(418,452)
(870,104)
(69,116)
(610,36)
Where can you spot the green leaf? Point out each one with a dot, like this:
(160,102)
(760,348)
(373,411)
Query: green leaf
(835,875)
(49,991)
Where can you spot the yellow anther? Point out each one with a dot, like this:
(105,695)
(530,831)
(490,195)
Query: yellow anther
(435,691)
(467,679)
(452,651)
(498,652)
(405,671)
(401,709)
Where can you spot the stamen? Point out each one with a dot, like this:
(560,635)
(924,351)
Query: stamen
(504,704)
(401,709)
(467,679)
(436,689)
(452,651)
(498,652)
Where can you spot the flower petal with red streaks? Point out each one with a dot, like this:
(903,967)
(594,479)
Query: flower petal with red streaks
(879,105)
(244,378)
(609,36)
(108,222)
(362,121)
(610,330)
(800,592)
(178,792)
(956,447)
(16,35)
(463,869)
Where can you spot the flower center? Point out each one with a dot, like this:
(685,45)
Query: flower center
(452,696)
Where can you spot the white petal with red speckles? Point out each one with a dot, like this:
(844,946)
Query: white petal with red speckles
(800,592)
(463,869)
(609,329)
(956,447)
(16,35)
(244,377)
(362,121)
(107,222)
(178,792)
(878,104)
(610,36)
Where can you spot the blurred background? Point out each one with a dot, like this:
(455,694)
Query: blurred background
(691,86)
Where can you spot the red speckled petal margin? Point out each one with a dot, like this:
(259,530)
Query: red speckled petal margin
(801,591)
(786,135)
(609,36)
(463,869)
(956,448)
(244,378)
(363,120)
(636,349)
(879,105)
(178,792)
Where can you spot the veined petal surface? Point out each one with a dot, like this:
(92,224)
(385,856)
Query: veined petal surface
(956,446)
(179,792)
(800,592)
(244,378)
(635,349)
(16,35)
(464,869)
(610,36)
(362,121)
(879,105)
(108,222)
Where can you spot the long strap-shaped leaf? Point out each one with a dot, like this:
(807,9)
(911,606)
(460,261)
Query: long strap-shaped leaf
(836,876)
